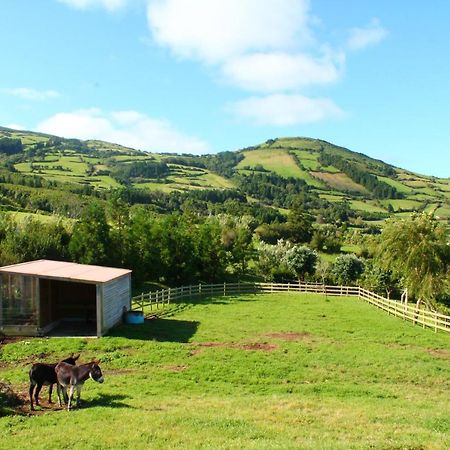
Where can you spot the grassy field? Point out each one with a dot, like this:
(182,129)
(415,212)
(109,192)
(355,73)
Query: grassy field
(339,181)
(19,217)
(397,185)
(275,160)
(368,205)
(404,204)
(250,372)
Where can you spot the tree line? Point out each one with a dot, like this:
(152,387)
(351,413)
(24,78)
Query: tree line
(174,249)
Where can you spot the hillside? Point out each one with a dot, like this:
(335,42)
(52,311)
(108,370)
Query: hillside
(270,174)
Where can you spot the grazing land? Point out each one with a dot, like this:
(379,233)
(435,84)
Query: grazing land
(97,168)
(278,371)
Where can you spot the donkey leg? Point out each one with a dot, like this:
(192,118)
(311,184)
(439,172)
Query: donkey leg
(36,393)
(69,405)
(58,390)
(65,396)
(50,390)
(32,386)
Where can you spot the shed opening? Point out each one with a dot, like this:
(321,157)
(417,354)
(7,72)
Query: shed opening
(67,308)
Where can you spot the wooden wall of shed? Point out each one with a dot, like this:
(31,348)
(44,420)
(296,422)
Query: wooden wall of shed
(115,296)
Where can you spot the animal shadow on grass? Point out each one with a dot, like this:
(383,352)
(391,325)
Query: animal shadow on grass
(159,329)
(106,401)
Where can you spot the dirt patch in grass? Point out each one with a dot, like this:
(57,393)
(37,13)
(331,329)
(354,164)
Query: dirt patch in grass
(259,346)
(11,339)
(439,352)
(11,401)
(290,336)
(339,181)
(175,368)
(251,346)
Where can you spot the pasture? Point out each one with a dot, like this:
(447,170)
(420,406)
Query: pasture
(275,371)
(275,160)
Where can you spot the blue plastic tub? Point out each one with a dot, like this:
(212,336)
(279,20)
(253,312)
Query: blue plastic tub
(134,317)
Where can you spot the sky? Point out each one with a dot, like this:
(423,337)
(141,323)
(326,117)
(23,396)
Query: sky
(202,76)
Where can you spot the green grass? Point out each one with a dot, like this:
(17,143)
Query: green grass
(249,372)
(333,197)
(404,204)
(275,160)
(19,217)
(369,206)
(443,212)
(397,185)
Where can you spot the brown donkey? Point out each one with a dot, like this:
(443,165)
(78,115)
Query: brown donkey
(72,377)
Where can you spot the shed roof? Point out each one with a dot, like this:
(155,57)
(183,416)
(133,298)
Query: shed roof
(66,271)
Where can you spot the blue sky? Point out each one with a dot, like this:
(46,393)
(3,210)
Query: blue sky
(211,75)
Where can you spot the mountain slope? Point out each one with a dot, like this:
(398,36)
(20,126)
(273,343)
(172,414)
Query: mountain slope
(322,170)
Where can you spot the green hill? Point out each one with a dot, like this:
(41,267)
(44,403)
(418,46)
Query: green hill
(271,174)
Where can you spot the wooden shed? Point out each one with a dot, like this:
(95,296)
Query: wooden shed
(62,298)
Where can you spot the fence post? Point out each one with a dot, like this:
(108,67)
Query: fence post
(190,291)
(224,288)
(435,322)
(199,288)
(168,297)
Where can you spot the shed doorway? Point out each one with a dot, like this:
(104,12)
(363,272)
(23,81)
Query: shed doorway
(67,308)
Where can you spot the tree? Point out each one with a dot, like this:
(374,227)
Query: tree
(122,249)
(31,239)
(210,257)
(237,239)
(90,242)
(417,251)
(327,238)
(302,261)
(272,263)
(378,279)
(347,269)
(300,224)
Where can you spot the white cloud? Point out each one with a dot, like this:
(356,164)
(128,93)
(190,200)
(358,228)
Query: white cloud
(32,94)
(277,71)
(215,30)
(286,110)
(15,126)
(372,34)
(261,46)
(109,5)
(129,128)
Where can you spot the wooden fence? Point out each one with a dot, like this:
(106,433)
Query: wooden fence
(159,299)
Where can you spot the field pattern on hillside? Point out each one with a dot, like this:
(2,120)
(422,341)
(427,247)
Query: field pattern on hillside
(93,165)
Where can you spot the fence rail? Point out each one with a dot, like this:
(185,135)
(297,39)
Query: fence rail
(160,299)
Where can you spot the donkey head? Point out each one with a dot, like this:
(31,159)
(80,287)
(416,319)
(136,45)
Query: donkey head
(71,359)
(96,373)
